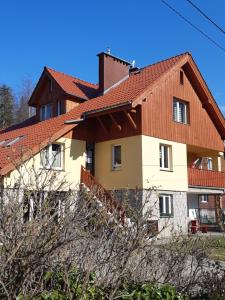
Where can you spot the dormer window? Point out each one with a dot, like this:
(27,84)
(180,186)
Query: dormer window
(59,108)
(46,112)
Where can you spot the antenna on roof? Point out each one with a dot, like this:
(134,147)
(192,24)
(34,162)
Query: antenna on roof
(108,50)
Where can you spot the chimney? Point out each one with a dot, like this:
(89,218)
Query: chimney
(111,70)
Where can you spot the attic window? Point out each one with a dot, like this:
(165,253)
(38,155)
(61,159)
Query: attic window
(181,77)
(12,142)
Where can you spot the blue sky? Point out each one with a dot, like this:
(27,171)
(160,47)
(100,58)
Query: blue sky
(67,35)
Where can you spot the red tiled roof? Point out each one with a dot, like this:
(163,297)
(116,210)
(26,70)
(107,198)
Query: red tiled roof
(74,86)
(38,133)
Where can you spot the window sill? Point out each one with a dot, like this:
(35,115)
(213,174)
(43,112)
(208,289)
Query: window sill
(182,123)
(166,217)
(116,168)
(52,169)
(166,170)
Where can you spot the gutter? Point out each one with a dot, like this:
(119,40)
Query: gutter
(94,111)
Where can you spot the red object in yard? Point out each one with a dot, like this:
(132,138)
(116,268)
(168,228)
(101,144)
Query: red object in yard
(204,229)
(194,226)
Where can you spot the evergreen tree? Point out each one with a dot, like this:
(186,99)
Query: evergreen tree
(6,106)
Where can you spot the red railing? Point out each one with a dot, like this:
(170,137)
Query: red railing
(112,205)
(199,177)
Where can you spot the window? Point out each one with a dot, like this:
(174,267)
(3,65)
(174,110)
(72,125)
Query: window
(165,152)
(116,156)
(12,142)
(181,77)
(51,157)
(180,111)
(46,112)
(59,108)
(32,202)
(165,206)
(203,198)
(209,164)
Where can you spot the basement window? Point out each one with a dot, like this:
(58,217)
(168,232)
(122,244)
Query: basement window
(165,205)
(116,157)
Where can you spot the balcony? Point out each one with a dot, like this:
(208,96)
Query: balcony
(206,178)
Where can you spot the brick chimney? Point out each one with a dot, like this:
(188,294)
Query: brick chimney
(111,70)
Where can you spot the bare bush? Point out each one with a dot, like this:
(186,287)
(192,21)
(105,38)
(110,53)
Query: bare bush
(45,225)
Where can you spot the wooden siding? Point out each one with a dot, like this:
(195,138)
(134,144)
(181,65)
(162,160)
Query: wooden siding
(45,96)
(157,115)
(92,131)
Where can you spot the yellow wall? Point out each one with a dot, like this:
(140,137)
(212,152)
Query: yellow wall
(74,157)
(140,165)
(175,180)
(130,173)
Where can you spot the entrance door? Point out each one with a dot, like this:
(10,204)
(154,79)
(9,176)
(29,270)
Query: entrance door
(90,155)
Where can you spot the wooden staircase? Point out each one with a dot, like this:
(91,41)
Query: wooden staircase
(112,205)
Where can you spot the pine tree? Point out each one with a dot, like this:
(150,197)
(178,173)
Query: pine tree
(6,106)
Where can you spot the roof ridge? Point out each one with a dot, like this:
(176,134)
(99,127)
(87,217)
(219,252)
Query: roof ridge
(48,68)
(163,60)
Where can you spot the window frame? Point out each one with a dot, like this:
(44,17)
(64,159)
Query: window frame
(176,117)
(162,157)
(44,112)
(49,165)
(203,198)
(166,213)
(59,108)
(114,165)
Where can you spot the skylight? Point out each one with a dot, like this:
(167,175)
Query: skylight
(3,142)
(12,142)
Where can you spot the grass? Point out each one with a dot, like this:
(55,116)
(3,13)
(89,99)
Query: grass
(212,247)
(215,248)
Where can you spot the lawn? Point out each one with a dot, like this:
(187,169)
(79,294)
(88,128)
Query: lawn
(215,247)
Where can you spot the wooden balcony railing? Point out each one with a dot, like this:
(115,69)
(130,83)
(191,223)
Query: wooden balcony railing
(112,205)
(206,178)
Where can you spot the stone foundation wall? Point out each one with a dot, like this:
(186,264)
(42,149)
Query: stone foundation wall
(148,200)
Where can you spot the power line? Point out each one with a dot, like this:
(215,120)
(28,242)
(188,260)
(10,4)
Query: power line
(208,18)
(194,26)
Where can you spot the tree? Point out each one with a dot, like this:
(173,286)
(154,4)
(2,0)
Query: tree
(6,106)
(22,110)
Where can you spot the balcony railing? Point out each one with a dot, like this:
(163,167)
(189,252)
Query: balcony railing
(206,178)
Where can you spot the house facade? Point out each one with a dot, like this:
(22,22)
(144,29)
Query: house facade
(155,130)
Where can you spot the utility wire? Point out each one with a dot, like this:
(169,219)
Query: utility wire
(192,25)
(208,18)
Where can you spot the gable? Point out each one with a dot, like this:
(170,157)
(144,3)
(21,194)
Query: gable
(157,114)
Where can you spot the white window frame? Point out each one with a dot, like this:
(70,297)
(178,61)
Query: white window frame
(49,165)
(176,116)
(164,212)
(209,164)
(162,156)
(45,107)
(59,108)
(203,198)
(116,166)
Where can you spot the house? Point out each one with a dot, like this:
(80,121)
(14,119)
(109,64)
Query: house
(158,126)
